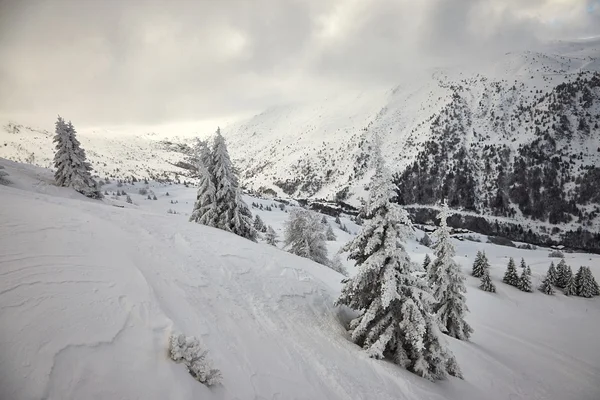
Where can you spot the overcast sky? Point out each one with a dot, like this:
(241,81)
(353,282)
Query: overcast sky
(110,62)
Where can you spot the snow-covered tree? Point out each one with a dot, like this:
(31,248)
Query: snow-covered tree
(586,283)
(523,264)
(552,274)
(187,350)
(324,220)
(480,265)
(426,262)
(129,200)
(394,304)
(3,176)
(205,207)
(258,223)
(571,286)
(546,286)
(448,284)
(337,220)
(426,240)
(525,280)
(510,276)
(232,212)
(486,282)
(329,234)
(72,168)
(305,236)
(271,236)
(336,265)
(562,274)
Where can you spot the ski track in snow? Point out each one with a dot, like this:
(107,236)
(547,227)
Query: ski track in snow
(89,294)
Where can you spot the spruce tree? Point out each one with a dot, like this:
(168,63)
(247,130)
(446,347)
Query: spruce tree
(205,207)
(232,212)
(324,220)
(510,276)
(562,274)
(480,265)
(72,168)
(329,234)
(486,282)
(426,262)
(129,200)
(448,284)
(258,223)
(338,221)
(523,264)
(394,304)
(337,266)
(271,236)
(552,274)
(305,236)
(571,286)
(585,283)
(525,280)
(546,286)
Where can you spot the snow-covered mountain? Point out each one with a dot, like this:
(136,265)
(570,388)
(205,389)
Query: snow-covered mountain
(517,139)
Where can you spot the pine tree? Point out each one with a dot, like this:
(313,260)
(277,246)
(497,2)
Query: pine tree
(149,197)
(395,304)
(3,176)
(72,168)
(426,262)
(546,286)
(233,214)
(324,220)
(205,207)
(562,274)
(271,236)
(510,276)
(448,284)
(129,200)
(305,236)
(571,286)
(426,240)
(523,265)
(154,197)
(480,265)
(585,283)
(337,266)
(525,280)
(552,274)
(337,220)
(258,223)
(330,235)
(486,282)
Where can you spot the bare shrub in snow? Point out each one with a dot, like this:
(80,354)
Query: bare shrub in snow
(187,350)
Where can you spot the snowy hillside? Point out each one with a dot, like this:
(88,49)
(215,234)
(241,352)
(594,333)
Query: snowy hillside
(90,293)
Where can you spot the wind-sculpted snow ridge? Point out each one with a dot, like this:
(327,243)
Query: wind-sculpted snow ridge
(90,294)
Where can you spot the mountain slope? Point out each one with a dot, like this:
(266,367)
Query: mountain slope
(90,293)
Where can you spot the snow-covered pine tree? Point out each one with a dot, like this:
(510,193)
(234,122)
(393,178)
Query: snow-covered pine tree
(486,282)
(448,284)
(3,176)
(426,262)
(129,200)
(205,207)
(258,223)
(394,304)
(233,214)
(305,236)
(585,283)
(525,280)
(426,240)
(552,274)
(562,274)
(523,264)
(329,234)
(72,168)
(337,266)
(546,286)
(338,221)
(480,264)
(571,286)
(271,236)
(324,220)
(510,276)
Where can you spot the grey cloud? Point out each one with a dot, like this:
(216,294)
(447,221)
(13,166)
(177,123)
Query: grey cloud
(134,61)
